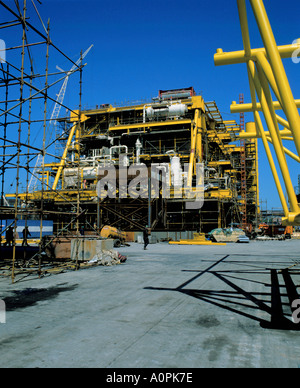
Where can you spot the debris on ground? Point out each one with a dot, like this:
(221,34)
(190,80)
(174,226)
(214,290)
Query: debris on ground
(108,258)
(226,235)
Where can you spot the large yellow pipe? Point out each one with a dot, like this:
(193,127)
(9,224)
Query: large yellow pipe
(200,126)
(261,92)
(222,58)
(244,27)
(253,81)
(258,122)
(287,151)
(248,108)
(262,60)
(270,72)
(194,131)
(253,135)
(274,57)
(63,159)
(260,129)
(254,88)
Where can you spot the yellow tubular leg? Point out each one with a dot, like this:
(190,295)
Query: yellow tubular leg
(273,54)
(251,74)
(277,144)
(258,122)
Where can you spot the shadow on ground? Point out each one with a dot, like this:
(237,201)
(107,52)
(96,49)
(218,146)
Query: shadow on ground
(236,299)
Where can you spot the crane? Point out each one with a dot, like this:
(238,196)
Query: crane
(266,74)
(53,121)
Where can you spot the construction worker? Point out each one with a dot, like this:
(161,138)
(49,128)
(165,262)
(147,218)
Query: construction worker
(146,238)
(9,237)
(26,233)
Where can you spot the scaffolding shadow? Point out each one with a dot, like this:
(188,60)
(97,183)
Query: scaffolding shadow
(239,301)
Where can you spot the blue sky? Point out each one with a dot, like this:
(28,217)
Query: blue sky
(143,46)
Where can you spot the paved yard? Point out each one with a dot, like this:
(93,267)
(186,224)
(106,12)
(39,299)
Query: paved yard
(167,307)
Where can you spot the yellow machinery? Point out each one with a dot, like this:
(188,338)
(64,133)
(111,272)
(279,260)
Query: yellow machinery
(114,233)
(266,75)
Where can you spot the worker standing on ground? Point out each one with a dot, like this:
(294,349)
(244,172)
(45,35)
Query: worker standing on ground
(26,233)
(146,238)
(9,237)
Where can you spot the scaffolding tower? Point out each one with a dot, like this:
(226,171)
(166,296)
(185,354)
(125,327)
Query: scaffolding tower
(29,87)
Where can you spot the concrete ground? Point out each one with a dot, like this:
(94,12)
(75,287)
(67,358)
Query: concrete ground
(166,307)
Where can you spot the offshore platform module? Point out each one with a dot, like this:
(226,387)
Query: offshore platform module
(174,129)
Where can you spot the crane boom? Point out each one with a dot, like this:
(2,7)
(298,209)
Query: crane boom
(53,121)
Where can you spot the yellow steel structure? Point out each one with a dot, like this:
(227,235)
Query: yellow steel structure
(195,133)
(75,129)
(266,75)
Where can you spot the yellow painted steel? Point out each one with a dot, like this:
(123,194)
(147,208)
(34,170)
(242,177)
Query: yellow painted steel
(63,159)
(265,71)
(76,128)
(194,131)
(272,51)
(199,239)
(287,151)
(222,58)
(147,125)
(193,242)
(246,108)
(193,126)
(251,135)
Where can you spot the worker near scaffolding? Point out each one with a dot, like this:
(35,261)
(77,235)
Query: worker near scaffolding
(9,237)
(26,233)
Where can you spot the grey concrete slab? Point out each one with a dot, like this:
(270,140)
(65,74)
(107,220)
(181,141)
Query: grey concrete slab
(166,307)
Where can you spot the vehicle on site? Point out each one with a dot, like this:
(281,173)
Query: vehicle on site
(114,233)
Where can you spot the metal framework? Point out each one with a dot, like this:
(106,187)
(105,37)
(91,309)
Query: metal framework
(29,90)
(266,76)
(175,127)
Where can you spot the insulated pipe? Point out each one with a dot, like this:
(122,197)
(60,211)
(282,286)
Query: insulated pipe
(138,146)
(116,148)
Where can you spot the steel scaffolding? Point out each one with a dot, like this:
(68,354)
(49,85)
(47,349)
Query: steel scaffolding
(28,92)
